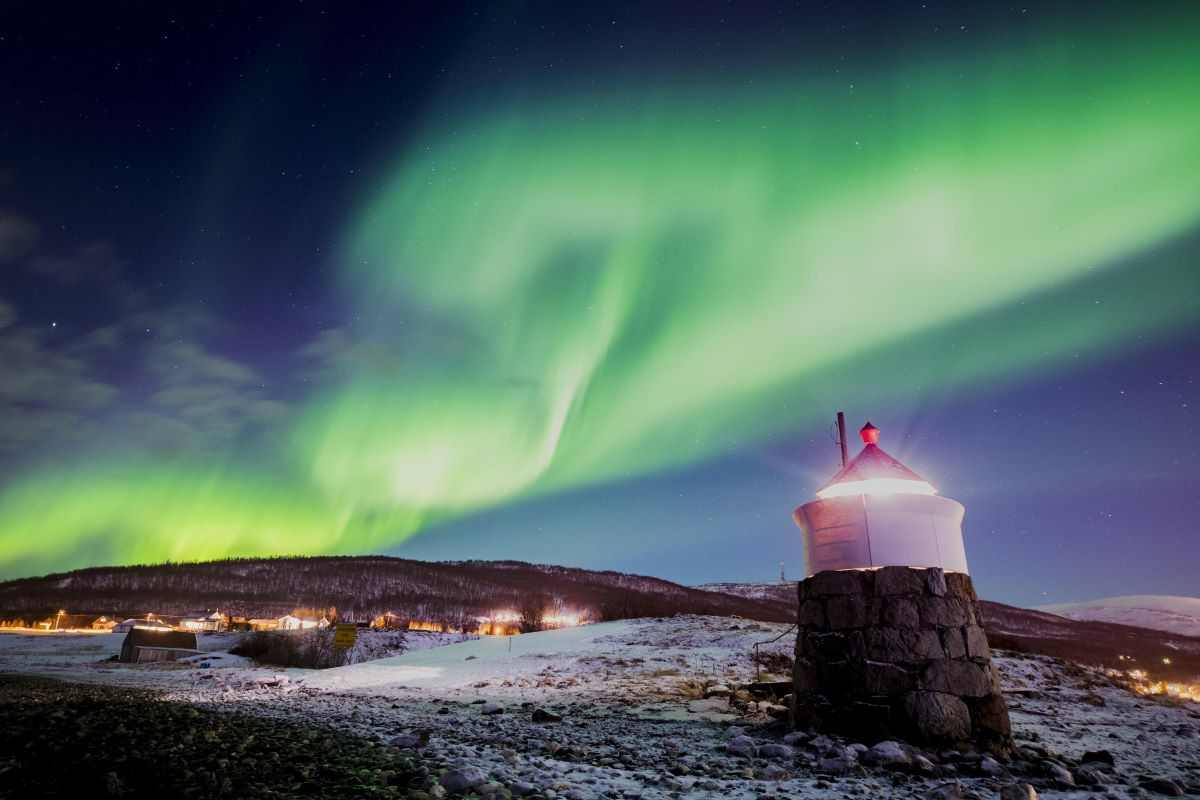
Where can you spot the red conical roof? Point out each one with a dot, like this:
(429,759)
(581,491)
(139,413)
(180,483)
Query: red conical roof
(874,472)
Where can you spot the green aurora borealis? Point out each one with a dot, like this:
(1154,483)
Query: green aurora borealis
(556,293)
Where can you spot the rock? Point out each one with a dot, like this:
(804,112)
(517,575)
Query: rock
(938,716)
(923,765)
(1163,786)
(858,748)
(541,715)
(462,779)
(1091,775)
(796,737)
(888,754)
(720,690)
(1018,791)
(1058,773)
(946,791)
(488,709)
(774,772)
(774,750)
(990,766)
(900,645)
(835,765)
(444,710)
(1098,757)
(742,746)
(775,710)
(410,740)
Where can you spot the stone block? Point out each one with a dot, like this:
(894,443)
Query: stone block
(849,611)
(989,717)
(943,611)
(938,717)
(953,643)
(812,613)
(837,582)
(977,643)
(804,676)
(899,580)
(959,585)
(827,646)
(880,678)
(935,581)
(898,612)
(961,678)
(903,646)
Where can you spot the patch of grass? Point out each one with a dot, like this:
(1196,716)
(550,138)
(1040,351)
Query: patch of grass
(70,740)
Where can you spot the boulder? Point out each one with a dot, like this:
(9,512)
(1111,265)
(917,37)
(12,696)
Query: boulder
(461,780)
(1018,791)
(742,746)
(946,791)
(489,709)
(776,751)
(938,716)
(888,754)
(540,716)
(1163,786)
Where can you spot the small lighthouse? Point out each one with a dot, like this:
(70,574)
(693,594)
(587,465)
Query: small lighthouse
(889,639)
(876,512)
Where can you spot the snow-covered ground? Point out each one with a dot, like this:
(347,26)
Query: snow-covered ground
(1179,615)
(639,708)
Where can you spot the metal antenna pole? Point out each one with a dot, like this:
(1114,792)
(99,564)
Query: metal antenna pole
(841,423)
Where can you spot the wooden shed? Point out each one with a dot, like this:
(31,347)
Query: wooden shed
(143,645)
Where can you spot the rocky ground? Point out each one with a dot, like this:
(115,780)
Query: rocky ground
(650,708)
(70,740)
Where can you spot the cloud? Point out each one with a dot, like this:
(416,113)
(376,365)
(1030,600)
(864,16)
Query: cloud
(46,395)
(18,236)
(153,381)
(92,262)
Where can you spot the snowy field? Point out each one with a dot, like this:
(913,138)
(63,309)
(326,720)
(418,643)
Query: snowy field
(640,709)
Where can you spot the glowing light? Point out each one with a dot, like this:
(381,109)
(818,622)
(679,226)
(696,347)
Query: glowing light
(877,487)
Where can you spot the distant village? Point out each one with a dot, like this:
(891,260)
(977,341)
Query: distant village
(500,623)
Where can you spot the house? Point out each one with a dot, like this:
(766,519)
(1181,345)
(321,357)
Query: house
(203,621)
(143,645)
(104,624)
(149,621)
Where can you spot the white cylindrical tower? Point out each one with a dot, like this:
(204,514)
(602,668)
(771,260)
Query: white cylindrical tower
(877,512)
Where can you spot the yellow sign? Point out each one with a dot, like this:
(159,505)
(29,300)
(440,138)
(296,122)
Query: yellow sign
(344,635)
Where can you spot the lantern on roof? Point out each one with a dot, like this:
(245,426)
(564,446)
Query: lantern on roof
(876,512)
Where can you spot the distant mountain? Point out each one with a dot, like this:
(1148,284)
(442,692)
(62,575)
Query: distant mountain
(363,587)
(775,591)
(1170,613)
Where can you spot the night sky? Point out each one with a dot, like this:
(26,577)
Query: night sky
(580,284)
